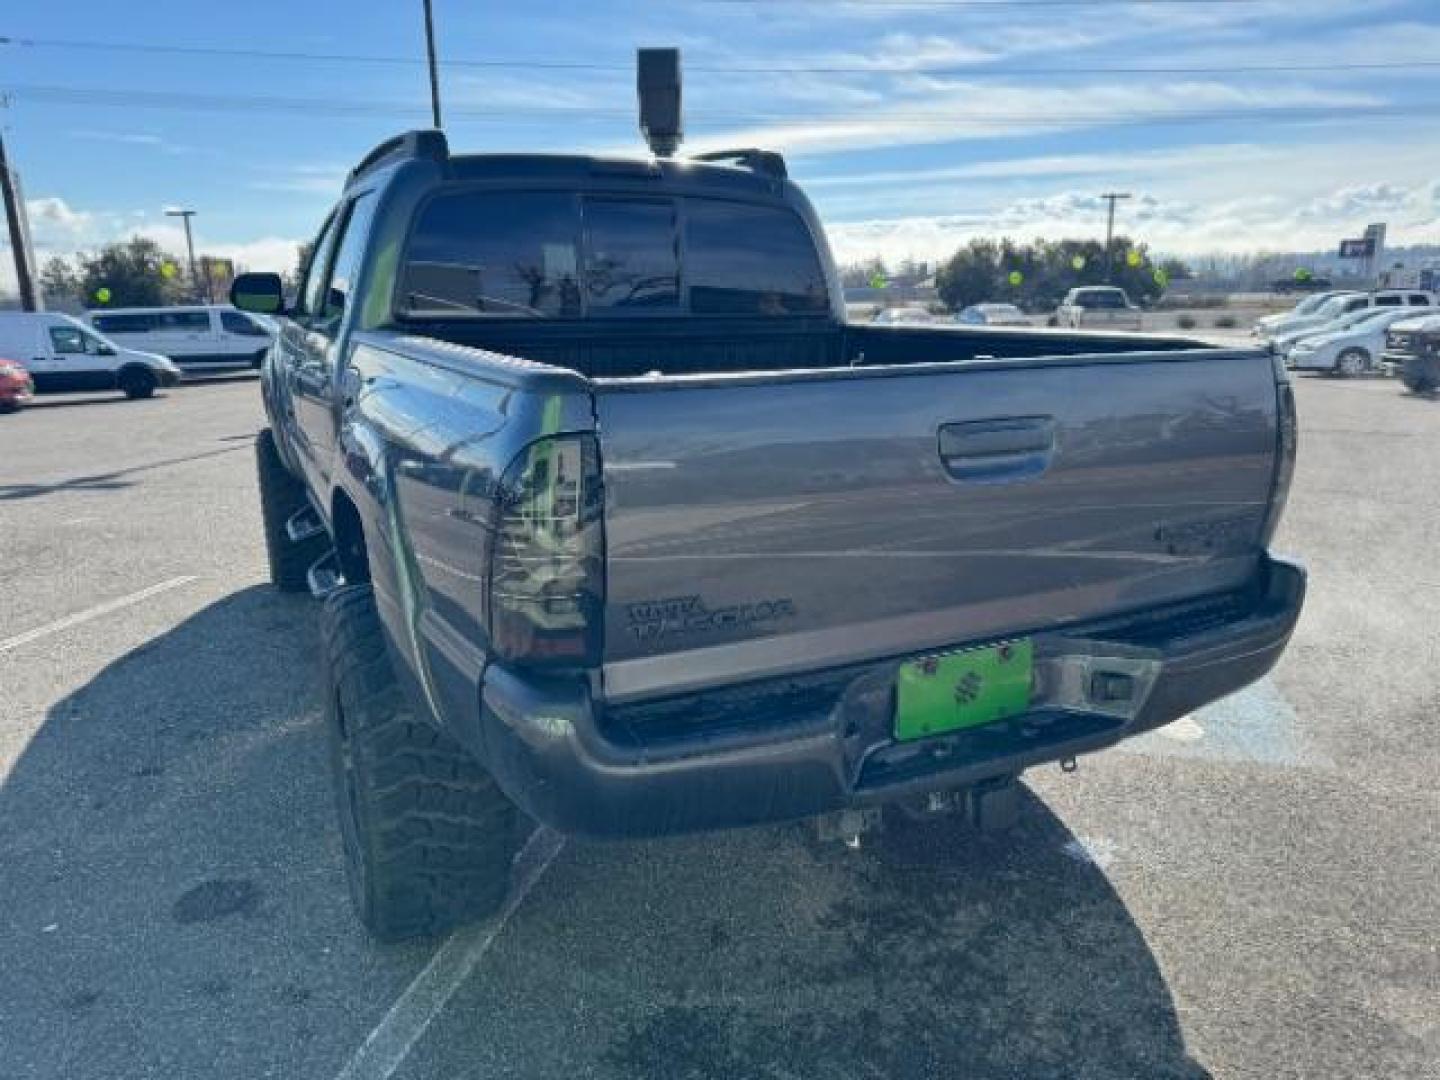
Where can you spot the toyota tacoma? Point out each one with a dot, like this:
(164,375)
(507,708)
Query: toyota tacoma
(622,529)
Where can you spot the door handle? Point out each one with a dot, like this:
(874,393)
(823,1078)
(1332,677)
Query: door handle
(997,451)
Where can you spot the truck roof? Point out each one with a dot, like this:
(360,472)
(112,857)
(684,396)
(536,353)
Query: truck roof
(743,172)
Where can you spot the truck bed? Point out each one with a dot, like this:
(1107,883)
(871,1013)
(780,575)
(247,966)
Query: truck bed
(939,487)
(695,346)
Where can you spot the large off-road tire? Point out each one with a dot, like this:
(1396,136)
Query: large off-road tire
(429,839)
(1421,374)
(137,383)
(281,497)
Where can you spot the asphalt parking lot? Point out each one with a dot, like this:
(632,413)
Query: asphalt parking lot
(1249,893)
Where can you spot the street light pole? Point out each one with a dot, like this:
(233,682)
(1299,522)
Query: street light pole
(434,75)
(1111,197)
(186,215)
(19,234)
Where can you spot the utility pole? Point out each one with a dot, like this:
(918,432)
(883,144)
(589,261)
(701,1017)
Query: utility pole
(19,233)
(434,75)
(1111,197)
(190,249)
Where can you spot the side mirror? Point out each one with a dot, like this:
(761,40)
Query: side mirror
(105,350)
(260,293)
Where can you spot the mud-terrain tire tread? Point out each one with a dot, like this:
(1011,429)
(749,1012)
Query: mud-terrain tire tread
(428,837)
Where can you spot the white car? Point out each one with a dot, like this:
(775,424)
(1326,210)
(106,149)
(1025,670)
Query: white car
(1265,326)
(903,316)
(62,354)
(1098,307)
(1347,350)
(1337,306)
(1283,343)
(199,338)
(992,315)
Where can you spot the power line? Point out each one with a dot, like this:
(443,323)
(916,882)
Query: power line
(719,69)
(194,102)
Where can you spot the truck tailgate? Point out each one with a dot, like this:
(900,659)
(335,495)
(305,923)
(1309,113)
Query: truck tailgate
(764,525)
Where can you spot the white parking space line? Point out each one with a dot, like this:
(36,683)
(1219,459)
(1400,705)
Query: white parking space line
(7,644)
(386,1048)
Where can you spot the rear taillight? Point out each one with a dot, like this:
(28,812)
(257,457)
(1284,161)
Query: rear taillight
(547,584)
(1287,440)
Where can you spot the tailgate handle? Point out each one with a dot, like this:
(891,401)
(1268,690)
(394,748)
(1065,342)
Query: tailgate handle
(997,451)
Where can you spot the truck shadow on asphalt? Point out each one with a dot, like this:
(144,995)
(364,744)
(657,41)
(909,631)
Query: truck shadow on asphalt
(931,952)
(173,884)
(111,481)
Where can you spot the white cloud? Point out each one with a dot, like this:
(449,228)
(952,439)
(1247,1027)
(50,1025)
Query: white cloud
(1365,199)
(310,179)
(50,215)
(1254,223)
(1109,165)
(57,228)
(948,110)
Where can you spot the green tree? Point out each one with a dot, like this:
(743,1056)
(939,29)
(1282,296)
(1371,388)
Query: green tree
(133,273)
(971,275)
(60,281)
(292,278)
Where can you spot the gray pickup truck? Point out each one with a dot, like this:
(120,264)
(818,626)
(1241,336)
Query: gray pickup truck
(622,529)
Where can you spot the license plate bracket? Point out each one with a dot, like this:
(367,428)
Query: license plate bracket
(948,692)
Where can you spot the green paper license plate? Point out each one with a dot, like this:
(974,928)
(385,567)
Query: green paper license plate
(955,691)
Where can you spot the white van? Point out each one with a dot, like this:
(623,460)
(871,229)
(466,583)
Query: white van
(202,338)
(62,354)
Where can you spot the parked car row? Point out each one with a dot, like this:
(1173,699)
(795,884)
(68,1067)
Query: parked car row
(1342,332)
(1100,307)
(132,350)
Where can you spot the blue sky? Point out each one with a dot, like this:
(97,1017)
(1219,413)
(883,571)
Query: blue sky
(913,125)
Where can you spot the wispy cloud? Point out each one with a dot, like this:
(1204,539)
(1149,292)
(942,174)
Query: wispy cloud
(948,110)
(144,139)
(309,179)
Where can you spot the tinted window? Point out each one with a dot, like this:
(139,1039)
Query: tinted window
(505,254)
(1419,300)
(1387,301)
(346,264)
(235,323)
(750,260)
(125,323)
(1102,298)
(190,322)
(1355,304)
(315,272)
(630,257)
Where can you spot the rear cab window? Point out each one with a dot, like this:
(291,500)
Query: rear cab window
(743,259)
(632,256)
(1101,298)
(547,255)
(501,254)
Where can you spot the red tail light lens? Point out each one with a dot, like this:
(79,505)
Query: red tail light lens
(547,592)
